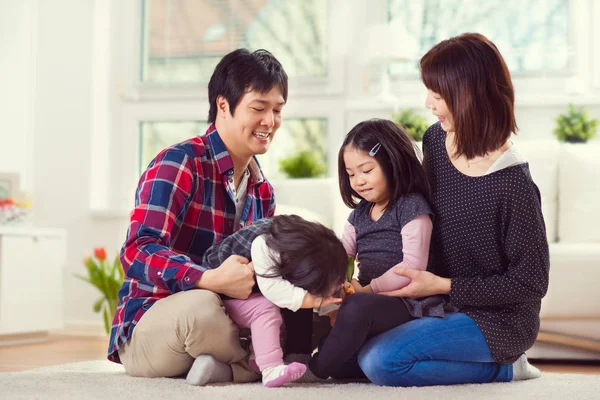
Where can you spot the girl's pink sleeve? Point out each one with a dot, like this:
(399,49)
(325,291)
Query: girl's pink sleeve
(349,239)
(415,247)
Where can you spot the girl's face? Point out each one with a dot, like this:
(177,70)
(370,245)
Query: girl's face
(366,176)
(438,107)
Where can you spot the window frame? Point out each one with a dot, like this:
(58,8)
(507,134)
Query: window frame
(550,87)
(128,102)
(134,88)
(120,102)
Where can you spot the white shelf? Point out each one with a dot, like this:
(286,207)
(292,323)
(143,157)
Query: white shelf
(27,230)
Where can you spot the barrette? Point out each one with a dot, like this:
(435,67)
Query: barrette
(375,149)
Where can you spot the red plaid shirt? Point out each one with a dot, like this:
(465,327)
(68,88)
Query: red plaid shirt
(183,205)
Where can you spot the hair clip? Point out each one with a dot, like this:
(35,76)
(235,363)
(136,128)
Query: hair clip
(375,149)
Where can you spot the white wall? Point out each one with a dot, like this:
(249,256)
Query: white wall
(17,47)
(46,94)
(46,110)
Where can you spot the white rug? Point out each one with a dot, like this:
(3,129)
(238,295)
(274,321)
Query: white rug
(105,380)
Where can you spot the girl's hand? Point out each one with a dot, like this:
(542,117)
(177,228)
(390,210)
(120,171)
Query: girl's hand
(423,283)
(312,301)
(360,289)
(329,300)
(356,286)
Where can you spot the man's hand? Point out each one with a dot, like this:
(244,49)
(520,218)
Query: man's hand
(234,278)
(423,283)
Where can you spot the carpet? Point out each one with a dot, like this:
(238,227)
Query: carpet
(105,380)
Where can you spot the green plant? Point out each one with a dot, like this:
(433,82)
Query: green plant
(107,278)
(350,271)
(575,126)
(414,124)
(304,164)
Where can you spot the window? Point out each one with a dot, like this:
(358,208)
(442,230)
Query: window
(533,36)
(295,134)
(183,40)
(156,136)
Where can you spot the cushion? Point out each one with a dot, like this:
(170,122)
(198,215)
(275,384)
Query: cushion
(542,156)
(574,276)
(284,209)
(308,197)
(579,193)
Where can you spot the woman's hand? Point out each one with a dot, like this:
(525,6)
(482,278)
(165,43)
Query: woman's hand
(423,283)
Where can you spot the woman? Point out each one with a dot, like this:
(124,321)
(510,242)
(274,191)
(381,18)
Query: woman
(489,251)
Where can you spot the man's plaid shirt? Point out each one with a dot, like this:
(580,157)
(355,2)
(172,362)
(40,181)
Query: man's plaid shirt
(184,204)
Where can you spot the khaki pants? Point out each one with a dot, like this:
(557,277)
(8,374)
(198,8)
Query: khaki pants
(179,328)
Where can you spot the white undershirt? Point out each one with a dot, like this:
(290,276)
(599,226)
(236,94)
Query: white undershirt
(240,194)
(508,159)
(277,290)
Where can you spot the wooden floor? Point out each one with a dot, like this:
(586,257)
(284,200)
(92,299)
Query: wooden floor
(54,351)
(65,349)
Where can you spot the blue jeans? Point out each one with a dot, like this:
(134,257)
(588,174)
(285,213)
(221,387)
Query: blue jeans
(432,351)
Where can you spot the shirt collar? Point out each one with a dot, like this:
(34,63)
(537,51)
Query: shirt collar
(219,151)
(223,159)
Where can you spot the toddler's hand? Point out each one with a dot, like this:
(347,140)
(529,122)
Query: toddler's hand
(348,288)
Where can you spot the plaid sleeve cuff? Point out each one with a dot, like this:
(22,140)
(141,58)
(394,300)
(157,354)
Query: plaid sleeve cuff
(191,275)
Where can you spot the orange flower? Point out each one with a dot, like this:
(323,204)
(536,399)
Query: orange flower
(100,253)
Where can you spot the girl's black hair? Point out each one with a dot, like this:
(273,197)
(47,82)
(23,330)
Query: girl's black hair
(398,156)
(310,255)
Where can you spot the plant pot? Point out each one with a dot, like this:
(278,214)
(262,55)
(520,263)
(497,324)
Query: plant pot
(575,140)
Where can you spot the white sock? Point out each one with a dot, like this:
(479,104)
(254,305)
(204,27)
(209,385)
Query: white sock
(208,370)
(522,370)
(279,375)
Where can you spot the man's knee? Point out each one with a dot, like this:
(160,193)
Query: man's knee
(202,308)
(199,316)
(206,328)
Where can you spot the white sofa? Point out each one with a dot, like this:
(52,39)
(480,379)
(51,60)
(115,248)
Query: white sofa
(568,176)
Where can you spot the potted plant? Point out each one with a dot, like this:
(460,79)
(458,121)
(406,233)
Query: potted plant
(304,164)
(107,278)
(414,124)
(575,126)
(305,186)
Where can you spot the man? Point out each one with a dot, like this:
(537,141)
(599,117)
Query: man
(193,194)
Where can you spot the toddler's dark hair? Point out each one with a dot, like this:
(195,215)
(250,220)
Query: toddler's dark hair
(311,255)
